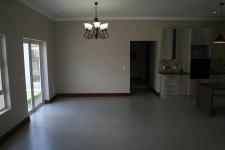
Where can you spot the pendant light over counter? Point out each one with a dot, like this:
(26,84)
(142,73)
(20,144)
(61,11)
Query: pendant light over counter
(220,39)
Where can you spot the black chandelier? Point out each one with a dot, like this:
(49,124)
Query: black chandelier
(96,30)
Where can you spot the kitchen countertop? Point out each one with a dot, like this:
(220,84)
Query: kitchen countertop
(217,73)
(174,73)
(186,73)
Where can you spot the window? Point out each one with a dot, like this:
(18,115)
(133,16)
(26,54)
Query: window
(4,92)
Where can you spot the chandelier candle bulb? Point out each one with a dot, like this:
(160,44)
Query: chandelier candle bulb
(104,26)
(97,24)
(88,26)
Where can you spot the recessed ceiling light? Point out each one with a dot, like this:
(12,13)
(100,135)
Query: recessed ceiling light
(214,12)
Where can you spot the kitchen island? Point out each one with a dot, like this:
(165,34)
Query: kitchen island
(205,95)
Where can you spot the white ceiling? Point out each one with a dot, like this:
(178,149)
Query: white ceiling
(125,9)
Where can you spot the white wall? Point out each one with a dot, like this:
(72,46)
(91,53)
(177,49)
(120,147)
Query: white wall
(95,66)
(18,21)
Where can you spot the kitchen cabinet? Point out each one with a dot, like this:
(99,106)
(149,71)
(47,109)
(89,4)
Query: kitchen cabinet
(167,44)
(173,85)
(183,45)
(201,36)
(214,78)
(193,83)
(185,38)
(218,78)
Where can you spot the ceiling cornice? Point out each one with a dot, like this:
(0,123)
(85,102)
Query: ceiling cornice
(37,9)
(137,18)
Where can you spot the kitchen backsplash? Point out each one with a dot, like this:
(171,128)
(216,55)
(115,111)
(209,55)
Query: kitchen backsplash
(179,66)
(173,66)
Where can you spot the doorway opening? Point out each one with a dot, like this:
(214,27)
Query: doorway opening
(141,65)
(32,50)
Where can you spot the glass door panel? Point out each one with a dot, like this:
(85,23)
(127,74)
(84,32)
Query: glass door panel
(27,75)
(36,73)
(32,63)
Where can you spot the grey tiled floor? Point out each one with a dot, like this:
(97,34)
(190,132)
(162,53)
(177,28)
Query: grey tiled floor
(140,122)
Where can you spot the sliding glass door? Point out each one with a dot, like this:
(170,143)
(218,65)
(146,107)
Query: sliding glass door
(33,73)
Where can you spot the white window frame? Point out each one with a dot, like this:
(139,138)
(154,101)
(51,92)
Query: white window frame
(4,75)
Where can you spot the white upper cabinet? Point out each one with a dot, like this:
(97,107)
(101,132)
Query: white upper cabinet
(167,44)
(185,37)
(202,36)
(183,43)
